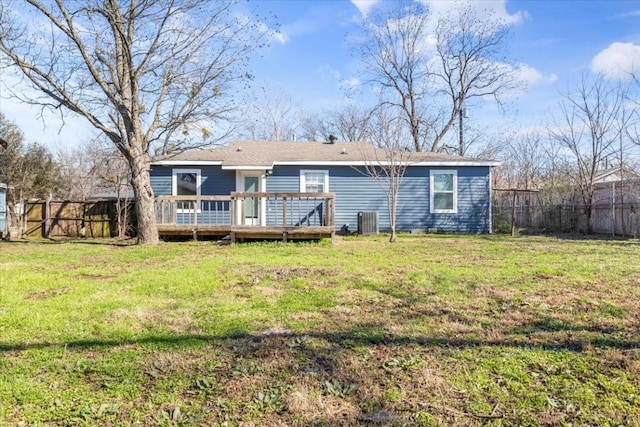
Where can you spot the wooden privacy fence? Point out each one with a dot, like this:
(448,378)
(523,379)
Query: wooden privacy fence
(96,218)
(525,210)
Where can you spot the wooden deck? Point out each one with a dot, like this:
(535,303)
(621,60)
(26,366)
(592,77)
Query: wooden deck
(248,216)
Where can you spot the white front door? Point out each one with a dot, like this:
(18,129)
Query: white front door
(253,211)
(251,204)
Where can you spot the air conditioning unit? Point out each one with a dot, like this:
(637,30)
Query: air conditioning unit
(367,223)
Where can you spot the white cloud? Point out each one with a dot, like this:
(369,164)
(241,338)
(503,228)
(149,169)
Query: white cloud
(272,34)
(351,83)
(326,71)
(617,60)
(632,14)
(497,7)
(364,6)
(532,76)
(528,74)
(280,37)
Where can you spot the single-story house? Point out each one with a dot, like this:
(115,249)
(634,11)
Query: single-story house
(269,184)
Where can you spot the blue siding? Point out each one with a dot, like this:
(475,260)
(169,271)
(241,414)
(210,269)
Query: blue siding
(355,192)
(215,180)
(207,215)
(299,212)
(161,180)
(287,179)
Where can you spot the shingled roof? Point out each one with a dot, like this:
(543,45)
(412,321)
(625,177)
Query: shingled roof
(266,154)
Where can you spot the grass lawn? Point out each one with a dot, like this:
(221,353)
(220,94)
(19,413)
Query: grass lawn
(434,330)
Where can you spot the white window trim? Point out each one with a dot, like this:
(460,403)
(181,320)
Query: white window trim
(303,184)
(432,174)
(174,185)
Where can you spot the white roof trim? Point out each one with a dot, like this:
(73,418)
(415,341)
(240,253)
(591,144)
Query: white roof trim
(439,163)
(247,167)
(448,163)
(187,163)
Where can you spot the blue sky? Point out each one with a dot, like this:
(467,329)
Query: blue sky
(552,43)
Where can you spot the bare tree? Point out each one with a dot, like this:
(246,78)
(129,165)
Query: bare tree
(97,170)
(273,115)
(589,126)
(145,73)
(389,160)
(76,166)
(471,51)
(312,126)
(395,56)
(431,85)
(525,160)
(112,174)
(348,123)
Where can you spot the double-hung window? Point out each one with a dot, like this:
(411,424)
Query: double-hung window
(314,181)
(443,194)
(186,182)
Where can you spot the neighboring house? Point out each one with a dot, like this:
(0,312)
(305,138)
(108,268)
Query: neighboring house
(459,202)
(616,202)
(617,174)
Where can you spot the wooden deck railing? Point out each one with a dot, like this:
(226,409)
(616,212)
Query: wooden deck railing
(189,210)
(289,210)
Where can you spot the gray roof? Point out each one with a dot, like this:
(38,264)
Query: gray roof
(616,174)
(268,153)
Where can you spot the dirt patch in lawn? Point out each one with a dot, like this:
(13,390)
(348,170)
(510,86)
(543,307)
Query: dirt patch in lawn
(48,293)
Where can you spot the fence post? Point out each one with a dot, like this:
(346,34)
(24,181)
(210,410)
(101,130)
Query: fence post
(47,217)
(513,214)
(613,209)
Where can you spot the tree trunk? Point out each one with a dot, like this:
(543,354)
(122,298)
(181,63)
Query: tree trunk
(145,214)
(588,213)
(393,209)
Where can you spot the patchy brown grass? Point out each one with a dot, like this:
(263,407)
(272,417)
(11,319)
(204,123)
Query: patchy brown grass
(432,331)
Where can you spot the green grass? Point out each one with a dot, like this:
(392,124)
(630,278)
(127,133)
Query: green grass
(434,330)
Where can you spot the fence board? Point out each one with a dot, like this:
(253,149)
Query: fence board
(569,218)
(96,218)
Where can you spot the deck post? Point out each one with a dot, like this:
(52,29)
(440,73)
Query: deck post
(233,210)
(195,212)
(284,211)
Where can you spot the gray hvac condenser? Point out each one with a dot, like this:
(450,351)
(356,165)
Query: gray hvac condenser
(367,223)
